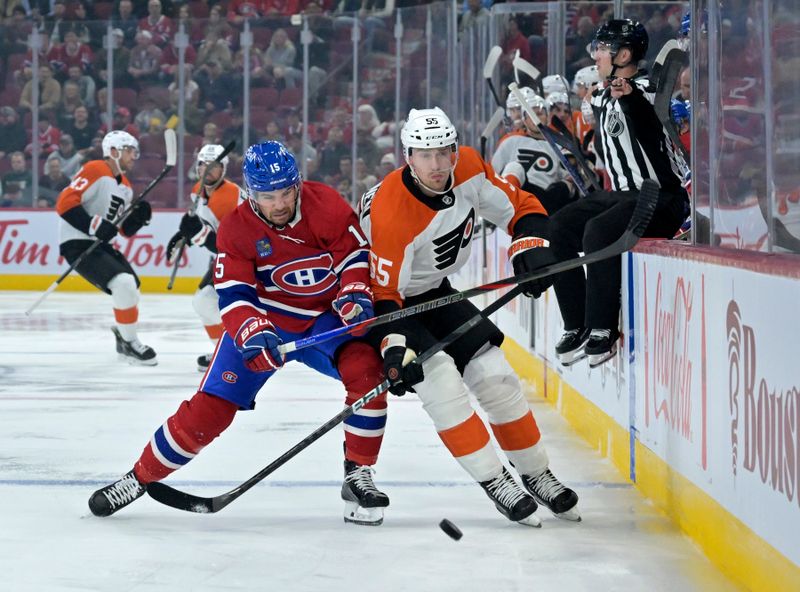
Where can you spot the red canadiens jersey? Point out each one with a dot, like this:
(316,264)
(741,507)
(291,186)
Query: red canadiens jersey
(292,274)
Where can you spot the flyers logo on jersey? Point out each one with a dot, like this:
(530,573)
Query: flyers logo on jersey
(305,277)
(448,246)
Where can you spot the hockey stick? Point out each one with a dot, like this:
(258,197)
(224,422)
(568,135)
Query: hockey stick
(645,206)
(548,136)
(172,153)
(520,64)
(487,132)
(488,71)
(666,69)
(180,500)
(181,246)
(574,147)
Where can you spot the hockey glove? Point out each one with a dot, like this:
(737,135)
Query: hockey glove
(353,303)
(398,366)
(258,343)
(102,229)
(173,247)
(528,253)
(194,230)
(140,215)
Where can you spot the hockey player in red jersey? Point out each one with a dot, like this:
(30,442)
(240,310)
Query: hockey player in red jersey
(420,221)
(213,197)
(292,262)
(89,207)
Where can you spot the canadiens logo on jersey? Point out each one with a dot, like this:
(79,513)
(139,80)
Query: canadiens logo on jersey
(447,247)
(263,248)
(305,277)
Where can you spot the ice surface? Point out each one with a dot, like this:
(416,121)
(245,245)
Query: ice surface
(72,418)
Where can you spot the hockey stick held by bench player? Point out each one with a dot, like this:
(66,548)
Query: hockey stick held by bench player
(192,207)
(208,505)
(636,227)
(171,156)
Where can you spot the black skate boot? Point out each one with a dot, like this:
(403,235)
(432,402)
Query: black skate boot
(569,348)
(203,362)
(549,492)
(134,352)
(602,346)
(511,499)
(364,503)
(107,500)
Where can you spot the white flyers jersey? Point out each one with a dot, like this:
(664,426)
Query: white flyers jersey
(541,164)
(223,200)
(94,188)
(417,240)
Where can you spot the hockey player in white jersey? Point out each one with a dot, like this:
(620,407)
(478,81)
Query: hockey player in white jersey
(89,207)
(211,202)
(528,161)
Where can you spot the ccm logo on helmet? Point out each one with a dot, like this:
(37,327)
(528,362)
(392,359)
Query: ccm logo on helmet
(306,277)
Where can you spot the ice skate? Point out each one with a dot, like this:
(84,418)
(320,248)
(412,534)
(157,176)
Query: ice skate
(570,348)
(364,503)
(511,500)
(134,352)
(549,492)
(602,346)
(203,362)
(111,498)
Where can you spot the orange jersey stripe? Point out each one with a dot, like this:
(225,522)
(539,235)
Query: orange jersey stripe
(518,434)
(72,194)
(466,438)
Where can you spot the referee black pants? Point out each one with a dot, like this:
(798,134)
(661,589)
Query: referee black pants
(590,224)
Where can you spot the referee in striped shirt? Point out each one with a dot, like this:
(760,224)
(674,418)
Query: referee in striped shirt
(634,146)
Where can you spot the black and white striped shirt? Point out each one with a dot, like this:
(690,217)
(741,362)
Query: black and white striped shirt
(632,141)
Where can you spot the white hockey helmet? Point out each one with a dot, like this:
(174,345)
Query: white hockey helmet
(513,103)
(209,153)
(585,77)
(428,128)
(557,98)
(119,139)
(553,83)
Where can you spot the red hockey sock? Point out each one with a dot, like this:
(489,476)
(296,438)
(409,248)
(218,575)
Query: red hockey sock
(196,423)
(361,370)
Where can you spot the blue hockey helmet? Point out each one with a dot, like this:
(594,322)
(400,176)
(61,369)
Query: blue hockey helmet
(269,166)
(679,111)
(686,25)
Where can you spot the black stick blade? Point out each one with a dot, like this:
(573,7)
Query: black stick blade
(178,499)
(645,207)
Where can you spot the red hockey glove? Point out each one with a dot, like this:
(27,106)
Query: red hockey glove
(354,303)
(258,342)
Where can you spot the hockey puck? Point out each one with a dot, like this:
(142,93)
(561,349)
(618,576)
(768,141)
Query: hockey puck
(451,529)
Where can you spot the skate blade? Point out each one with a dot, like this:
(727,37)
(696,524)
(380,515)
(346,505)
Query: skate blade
(135,362)
(573,515)
(532,520)
(595,361)
(355,514)
(574,358)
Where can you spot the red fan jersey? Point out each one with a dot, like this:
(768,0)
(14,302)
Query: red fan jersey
(289,275)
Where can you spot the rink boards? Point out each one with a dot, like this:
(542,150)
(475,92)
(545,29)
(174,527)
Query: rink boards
(701,409)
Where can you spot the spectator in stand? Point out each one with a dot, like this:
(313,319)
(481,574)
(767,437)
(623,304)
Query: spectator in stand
(70,53)
(368,121)
(660,31)
(122,121)
(145,59)
(302,151)
(387,165)
(56,22)
(17,182)
(218,25)
(124,20)
(69,158)
(26,74)
(514,40)
(214,49)
(156,23)
(295,126)
(13,135)
(215,85)
(369,12)
(148,112)
(580,57)
(90,32)
(363,174)
(210,133)
(48,135)
(194,116)
(475,15)
(273,132)
(86,85)
(15,31)
(169,61)
(367,149)
(49,91)
(70,100)
(121,62)
(279,59)
(82,130)
(53,181)
(332,152)
(235,131)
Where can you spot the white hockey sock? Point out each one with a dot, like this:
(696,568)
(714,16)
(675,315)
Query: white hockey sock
(125,296)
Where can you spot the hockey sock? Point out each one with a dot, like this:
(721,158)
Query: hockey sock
(206,304)
(195,425)
(361,370)
(125,296)
(215,332)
